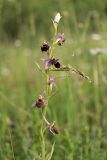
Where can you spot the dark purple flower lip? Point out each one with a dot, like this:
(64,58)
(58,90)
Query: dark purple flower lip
(52,61)
(56,63)
(40,102)
(45,47)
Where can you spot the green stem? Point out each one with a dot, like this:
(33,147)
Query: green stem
(56,30)
(42,131)
(43,144)
(42,140)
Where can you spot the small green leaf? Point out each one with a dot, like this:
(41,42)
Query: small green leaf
(49,157)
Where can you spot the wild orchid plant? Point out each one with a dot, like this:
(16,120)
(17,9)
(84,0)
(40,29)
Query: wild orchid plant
(51,63)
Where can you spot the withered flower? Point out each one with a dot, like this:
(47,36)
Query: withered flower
(53,129)
(51,126)
(45,47)
(40,102)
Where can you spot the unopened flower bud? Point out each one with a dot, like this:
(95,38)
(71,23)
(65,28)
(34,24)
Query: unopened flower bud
(57,18)
(51,81)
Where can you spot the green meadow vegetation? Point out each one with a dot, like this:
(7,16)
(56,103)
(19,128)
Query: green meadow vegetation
(78,106)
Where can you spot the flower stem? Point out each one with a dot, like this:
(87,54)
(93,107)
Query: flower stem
(42,131)
(43,144)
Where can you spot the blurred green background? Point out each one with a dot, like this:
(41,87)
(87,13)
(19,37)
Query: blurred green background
(33,18)
(81,113)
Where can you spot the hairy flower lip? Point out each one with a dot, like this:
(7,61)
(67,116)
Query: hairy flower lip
(57,65)
(45,47)
(40,102)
